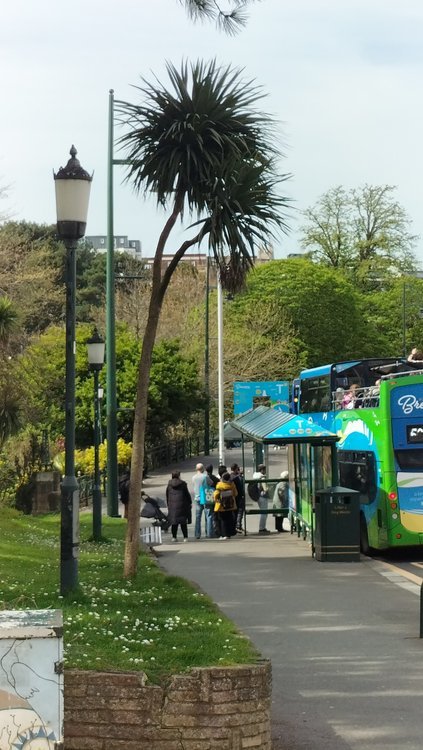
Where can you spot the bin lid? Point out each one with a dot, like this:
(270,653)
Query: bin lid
(31,623)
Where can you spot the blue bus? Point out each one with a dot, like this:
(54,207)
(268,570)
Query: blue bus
(375,406)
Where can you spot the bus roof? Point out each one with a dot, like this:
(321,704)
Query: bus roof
(314,372)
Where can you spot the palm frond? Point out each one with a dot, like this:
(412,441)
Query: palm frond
(8,319)
(230,19)
(177,139)
(246,211)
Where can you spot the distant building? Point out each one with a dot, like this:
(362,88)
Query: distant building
(199,260)
(120,241)
(265,254)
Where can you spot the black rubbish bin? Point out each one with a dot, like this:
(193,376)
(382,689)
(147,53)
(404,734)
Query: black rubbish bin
(337,525)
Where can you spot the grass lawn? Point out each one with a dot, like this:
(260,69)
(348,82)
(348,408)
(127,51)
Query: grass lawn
(155,623)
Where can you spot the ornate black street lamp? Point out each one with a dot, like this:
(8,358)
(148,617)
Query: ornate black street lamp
(73,186)
(95,346)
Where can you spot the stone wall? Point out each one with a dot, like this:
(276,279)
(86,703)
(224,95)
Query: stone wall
(46,497)
(217,708)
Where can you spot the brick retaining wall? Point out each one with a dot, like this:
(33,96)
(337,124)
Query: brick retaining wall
(216,708)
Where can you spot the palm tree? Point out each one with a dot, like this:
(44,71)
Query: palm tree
(8,319)
(204,150)
(230,20)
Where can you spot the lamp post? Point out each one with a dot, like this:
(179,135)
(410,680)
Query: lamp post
(207,365)
(72,185)
(95,346)
(220,397)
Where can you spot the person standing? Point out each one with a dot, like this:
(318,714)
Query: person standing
(210,486)
(124,483)
(263,498)
(225,505)
(179,505)
(240,500)
(280,500)
(198,487)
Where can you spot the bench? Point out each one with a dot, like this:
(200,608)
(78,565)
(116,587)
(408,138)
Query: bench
(269,512)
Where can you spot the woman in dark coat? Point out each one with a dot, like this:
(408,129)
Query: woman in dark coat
(179,504)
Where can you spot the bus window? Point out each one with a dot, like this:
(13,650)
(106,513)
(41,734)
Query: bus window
(410,459)
(357,470)
(315,394)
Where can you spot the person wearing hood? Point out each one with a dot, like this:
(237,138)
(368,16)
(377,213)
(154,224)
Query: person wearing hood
(281,500)
(225,505)
(179,503)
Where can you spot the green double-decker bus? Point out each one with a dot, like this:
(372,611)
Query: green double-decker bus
(375,406)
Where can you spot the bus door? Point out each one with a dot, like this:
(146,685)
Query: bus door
(407,438)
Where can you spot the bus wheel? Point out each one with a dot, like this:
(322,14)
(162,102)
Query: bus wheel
(364,537)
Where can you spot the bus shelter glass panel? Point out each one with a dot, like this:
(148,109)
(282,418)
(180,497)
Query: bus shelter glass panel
(322,467)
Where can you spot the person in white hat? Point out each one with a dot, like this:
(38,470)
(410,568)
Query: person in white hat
(280,500)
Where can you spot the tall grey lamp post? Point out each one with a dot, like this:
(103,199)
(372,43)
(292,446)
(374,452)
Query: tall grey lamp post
(95,346)
(72,184)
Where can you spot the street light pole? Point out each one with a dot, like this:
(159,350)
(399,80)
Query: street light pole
(72,186)
(207,365)
(111,400)
(404,320)
(221,411)
(95,346)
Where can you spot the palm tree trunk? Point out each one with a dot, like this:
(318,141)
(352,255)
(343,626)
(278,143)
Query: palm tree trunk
(138,438)
(159,286)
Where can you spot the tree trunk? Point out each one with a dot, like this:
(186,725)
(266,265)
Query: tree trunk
(159,286)
(138,439)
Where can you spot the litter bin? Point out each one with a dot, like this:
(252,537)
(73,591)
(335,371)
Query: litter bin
(337,525)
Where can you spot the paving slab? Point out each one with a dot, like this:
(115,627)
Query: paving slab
(342,637)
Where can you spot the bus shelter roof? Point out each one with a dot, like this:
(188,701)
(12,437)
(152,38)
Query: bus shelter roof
(275,427)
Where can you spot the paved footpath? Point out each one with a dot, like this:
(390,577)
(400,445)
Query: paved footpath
(342,637)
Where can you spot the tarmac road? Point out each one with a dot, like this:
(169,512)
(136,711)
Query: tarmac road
(342,637)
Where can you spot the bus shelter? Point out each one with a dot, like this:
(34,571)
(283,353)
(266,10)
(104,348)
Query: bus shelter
(312,456)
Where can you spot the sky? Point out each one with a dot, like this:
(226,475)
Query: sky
(343,79)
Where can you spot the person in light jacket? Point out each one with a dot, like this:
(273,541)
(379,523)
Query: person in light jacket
(263,500)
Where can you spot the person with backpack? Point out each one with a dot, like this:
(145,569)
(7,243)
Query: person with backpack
(198,487)
(209,488)
(263,496)
(280,500)
(225,505)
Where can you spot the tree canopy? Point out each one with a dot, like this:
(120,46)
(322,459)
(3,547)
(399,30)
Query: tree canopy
(175,392)
(320,304)
(364,231)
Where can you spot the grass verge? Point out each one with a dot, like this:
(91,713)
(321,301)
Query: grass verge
(155,623)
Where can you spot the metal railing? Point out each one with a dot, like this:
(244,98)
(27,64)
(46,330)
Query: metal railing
(173,452)
(85,484)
